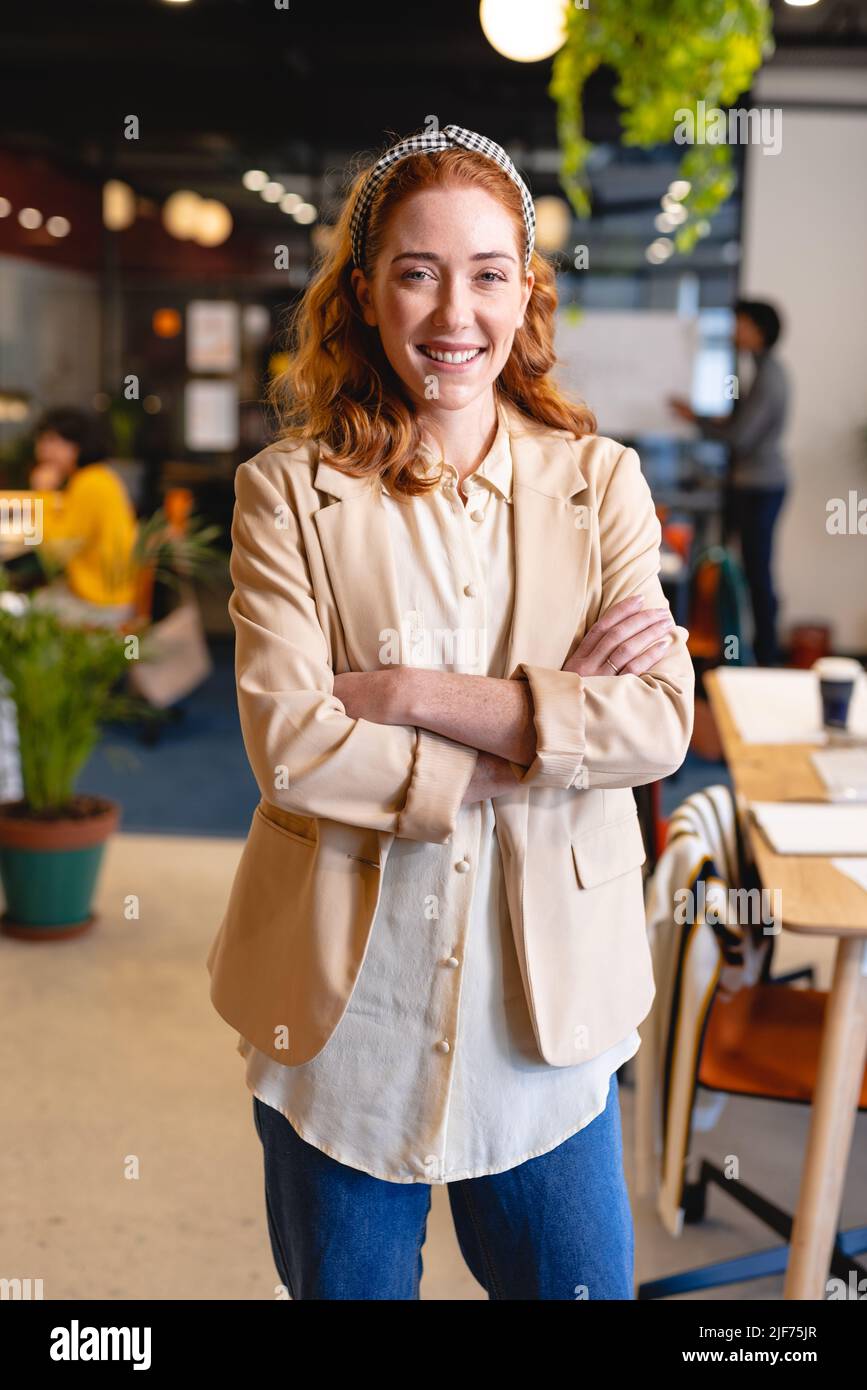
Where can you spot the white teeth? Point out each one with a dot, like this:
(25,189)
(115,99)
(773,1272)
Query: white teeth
(451,356)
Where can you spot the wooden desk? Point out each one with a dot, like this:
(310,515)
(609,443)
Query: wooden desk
(817,899)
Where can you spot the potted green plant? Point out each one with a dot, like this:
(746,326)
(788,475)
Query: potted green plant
(174,553)
(62,681)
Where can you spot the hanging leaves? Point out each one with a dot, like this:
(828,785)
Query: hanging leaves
(667,58)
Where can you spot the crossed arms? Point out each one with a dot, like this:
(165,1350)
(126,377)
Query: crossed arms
(495,716)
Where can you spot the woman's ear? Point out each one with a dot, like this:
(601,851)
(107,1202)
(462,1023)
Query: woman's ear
(525,297)
(361,285)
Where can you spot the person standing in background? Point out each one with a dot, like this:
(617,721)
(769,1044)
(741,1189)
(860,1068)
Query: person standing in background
(758,475)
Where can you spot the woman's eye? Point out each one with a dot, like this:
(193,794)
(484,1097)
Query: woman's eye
(487,277)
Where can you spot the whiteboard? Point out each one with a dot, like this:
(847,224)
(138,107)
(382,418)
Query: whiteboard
(624,365)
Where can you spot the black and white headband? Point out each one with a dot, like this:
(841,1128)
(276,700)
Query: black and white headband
(449,137)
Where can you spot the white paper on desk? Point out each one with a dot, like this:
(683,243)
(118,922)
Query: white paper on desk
(853,868)
(810,827)
(844,772)
(772,705)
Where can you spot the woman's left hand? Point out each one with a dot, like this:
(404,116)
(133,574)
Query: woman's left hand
(373,695)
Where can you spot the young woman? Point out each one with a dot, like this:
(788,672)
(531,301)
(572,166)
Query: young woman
(87,517)
(454,659)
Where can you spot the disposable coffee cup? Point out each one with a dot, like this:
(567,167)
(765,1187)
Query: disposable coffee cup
(837,677)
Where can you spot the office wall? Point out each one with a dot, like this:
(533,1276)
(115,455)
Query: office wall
(49,333)
(805,215)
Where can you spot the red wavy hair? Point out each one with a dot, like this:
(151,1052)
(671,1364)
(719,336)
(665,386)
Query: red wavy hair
(339,386)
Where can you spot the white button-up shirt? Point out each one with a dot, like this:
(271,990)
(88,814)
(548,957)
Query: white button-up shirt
(433,1073)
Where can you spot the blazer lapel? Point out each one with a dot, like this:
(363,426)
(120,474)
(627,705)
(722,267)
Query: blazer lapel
(353,534)
(552,545)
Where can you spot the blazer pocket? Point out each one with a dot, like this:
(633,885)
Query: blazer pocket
(301,828)
(608,851)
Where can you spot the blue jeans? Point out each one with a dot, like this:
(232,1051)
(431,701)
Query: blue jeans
(556,1227)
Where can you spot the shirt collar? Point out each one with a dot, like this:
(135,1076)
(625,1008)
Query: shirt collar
(495,470)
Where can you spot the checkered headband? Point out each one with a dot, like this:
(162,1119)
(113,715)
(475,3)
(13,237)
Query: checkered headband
(449,137)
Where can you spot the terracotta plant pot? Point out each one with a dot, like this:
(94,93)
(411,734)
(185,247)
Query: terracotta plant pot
(49,866)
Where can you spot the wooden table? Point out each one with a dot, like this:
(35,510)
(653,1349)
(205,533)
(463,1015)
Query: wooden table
(818,900)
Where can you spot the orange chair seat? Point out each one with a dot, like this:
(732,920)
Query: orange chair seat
(764,1041)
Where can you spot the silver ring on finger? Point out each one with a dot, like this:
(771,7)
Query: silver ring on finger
(613,667)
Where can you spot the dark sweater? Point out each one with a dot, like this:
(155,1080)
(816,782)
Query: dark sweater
(754,429)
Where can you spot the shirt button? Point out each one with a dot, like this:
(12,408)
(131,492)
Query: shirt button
(470,590)
(443,1045)
(463,866)
(477,515)
(453,962)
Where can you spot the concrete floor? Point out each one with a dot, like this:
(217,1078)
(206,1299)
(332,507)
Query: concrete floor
(114,1057)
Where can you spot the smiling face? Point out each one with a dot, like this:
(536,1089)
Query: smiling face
(448,293)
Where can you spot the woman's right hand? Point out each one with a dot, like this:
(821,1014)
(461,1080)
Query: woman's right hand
(45,477)
(629,637)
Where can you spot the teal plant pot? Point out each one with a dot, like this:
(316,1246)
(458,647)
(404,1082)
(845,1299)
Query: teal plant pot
(49,869)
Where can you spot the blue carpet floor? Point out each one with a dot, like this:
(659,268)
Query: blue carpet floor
(196,781)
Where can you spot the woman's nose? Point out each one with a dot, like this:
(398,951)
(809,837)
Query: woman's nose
(453,308)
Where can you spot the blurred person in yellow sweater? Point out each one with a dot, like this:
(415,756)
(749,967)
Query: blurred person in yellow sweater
(88,520)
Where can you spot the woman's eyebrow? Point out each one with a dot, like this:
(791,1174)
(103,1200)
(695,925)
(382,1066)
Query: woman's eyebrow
(432,256)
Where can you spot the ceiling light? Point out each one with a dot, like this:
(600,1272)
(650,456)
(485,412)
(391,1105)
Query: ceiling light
(659,250)
(213,223)
(273,191)
(118,205)
(305,213)
(58,226)
(31,218)
(255,180)
(180,214)
(525,33)
(290,202)
(5,207)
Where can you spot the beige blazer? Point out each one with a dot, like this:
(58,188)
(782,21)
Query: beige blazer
(314,594)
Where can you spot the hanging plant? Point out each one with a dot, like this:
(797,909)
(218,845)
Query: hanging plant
(668,58)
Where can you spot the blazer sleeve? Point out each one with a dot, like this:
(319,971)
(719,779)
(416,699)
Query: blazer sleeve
(306,753)
(616,731)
